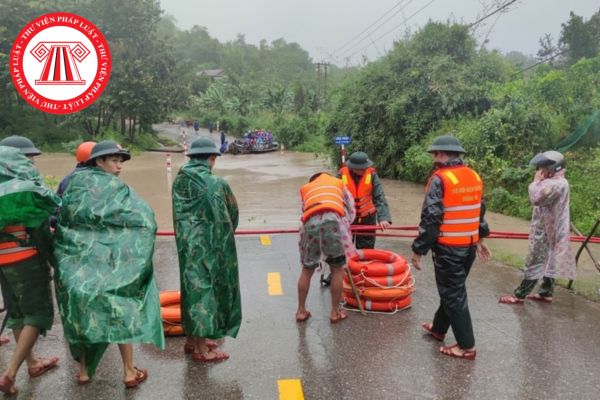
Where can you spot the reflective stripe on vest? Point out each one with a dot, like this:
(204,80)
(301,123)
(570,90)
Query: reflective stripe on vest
(13,251)
(463,189)
(325,193)
(363,194)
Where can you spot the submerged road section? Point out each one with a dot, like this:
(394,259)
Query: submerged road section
(530,351)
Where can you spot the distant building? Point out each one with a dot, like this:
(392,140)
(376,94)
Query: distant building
(214,74)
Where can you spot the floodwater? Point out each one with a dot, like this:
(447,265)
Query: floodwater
(267,189)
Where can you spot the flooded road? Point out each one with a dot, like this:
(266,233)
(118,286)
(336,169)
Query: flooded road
(267,189)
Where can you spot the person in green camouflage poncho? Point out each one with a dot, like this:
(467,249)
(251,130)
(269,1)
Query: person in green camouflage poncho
(25,252)
(205,216)
(105,285)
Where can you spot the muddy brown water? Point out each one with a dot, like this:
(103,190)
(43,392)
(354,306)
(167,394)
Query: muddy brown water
(267,189)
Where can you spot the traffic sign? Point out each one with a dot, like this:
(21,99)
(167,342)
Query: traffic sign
(342,140)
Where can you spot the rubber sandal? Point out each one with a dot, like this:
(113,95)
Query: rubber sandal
(7,386)
(203,357)
(537,297)
(47,365)
(340,317)
(429,329)
(510,299)
(304,318)
(141,375)
(4,340)
(188,348)
(466,354)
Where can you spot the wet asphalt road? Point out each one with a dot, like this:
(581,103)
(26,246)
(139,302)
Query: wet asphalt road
(531,351)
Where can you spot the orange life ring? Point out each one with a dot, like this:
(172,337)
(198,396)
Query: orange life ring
(173,329)
(169,306)
(381,281)
(169,297)
(375,262)
(378,294)
(389,306)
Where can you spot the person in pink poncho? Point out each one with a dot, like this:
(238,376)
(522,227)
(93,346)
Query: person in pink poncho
(550,254)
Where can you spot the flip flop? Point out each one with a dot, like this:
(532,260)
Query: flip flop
(203,357)
(47,365)
(429,329)
(4,340)
(188,348)
(538,297)
(510,299)
(466,354)
(340,317)
(141,375)
(304,318)
(7,385)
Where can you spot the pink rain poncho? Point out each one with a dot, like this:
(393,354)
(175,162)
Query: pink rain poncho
(550,253)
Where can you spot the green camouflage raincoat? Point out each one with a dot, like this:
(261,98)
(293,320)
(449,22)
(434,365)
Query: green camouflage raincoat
(23,198)
(24,201)
(205,216)
(105,285)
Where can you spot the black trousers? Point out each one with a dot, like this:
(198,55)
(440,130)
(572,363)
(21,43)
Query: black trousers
(452,266)
(365,241)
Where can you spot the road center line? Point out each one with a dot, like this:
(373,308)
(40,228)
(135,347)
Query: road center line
(290,389)
(274,284)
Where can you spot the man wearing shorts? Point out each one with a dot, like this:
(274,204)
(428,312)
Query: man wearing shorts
(327,211)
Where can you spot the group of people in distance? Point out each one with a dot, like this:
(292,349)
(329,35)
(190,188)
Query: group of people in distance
(102,246)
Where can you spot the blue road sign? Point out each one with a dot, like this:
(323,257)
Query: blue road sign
(342,140)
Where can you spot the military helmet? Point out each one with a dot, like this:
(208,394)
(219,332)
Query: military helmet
(108,148)
(550,159)
(359,160)
(84,150)
(446,143)
(22,143)
(203,145)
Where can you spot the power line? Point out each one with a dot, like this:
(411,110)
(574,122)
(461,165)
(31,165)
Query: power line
(368,27)
(394,28)
(492,13)
(379,26)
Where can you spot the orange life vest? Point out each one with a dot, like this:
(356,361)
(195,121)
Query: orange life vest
(463,189)
(14,251)
(325,193)
(363,194)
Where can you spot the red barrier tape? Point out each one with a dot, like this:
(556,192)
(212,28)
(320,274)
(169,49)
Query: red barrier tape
(361,228)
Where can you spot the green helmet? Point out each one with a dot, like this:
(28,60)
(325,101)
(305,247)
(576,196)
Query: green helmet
(359,160)
(203,145)
(446,143)
(550,159)
(107,148)
(22,143)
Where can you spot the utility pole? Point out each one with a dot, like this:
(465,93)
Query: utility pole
(322,87)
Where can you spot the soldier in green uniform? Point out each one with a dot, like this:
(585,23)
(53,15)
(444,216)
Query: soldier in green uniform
(205,216)
(25,255)
(105,286)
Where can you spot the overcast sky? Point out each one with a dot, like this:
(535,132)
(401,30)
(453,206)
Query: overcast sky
(328,29)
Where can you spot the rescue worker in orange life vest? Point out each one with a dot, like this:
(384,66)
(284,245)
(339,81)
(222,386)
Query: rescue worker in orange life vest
(452,226)
(362,181)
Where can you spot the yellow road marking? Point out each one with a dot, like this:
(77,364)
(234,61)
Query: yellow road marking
(290,389)
(274,283)
(265,240)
